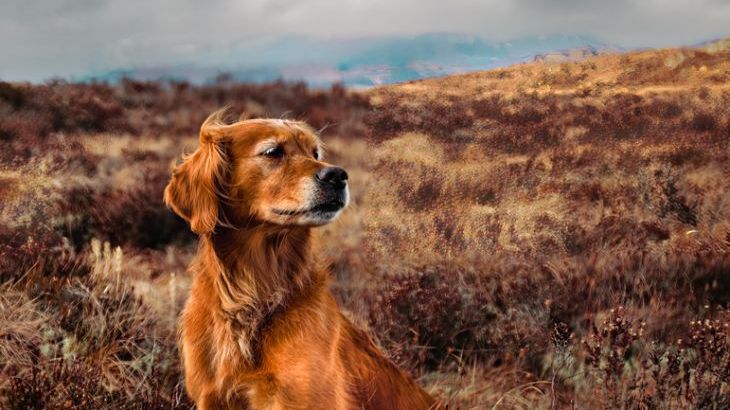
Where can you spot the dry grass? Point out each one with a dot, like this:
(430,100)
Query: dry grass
(540,236)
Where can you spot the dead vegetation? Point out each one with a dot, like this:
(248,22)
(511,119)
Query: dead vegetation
(550,236)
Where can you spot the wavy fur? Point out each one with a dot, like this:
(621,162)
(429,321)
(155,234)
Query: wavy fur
(261,329)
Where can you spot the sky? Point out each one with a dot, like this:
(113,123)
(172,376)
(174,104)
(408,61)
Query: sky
(43,39)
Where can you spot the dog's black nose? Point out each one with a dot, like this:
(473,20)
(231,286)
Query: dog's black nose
(333,175)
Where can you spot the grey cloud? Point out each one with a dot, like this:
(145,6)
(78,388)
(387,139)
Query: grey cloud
(39,39)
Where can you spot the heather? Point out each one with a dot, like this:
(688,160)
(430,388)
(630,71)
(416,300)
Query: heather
(538,236)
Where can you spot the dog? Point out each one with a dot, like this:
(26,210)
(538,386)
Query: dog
(261,330)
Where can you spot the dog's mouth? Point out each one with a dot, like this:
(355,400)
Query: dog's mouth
(323,208)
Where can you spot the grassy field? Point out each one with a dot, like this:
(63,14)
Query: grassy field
(539,236)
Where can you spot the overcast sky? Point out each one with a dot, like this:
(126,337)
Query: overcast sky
(40,39)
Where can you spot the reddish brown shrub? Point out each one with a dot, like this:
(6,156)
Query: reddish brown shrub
(424,319)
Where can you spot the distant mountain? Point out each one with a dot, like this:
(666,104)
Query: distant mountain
(360,62)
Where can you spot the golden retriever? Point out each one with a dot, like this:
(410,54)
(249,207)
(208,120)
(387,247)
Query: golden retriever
(261,329)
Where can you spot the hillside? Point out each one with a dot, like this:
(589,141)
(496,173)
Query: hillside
(563,147)
(563,194)
(686,67)
(539,236)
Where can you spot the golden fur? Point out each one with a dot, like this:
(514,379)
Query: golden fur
(261,329)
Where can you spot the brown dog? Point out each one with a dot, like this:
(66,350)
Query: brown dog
(261,329)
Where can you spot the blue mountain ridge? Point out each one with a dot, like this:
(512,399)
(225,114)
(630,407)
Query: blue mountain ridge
(356,62)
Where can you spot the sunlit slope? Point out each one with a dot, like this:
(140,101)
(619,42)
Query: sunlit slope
(650,71)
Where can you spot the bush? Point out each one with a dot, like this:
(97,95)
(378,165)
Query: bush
(426,319)
(94,346)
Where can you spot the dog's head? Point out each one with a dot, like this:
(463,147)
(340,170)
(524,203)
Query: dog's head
(256,171)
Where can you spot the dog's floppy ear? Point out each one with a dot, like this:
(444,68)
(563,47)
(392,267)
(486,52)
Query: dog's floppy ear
(193,190)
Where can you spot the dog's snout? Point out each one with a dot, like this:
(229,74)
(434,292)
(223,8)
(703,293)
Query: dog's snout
(333,175)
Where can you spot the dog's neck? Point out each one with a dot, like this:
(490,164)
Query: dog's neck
(271,258)
(260,269)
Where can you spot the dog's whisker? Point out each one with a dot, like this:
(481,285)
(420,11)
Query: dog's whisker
(326,126)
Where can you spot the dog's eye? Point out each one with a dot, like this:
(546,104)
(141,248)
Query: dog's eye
(275,152)
(315,154)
